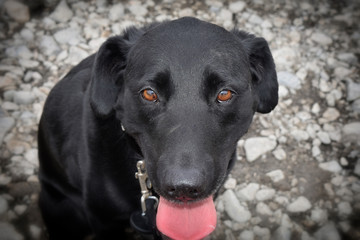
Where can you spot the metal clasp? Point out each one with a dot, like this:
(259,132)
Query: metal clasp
(145,186)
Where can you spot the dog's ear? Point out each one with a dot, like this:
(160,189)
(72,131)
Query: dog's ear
(107,73)
(262,69)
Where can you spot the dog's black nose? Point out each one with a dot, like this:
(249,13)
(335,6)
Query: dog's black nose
(184,185)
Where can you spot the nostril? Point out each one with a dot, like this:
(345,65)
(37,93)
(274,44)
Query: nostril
(183,192)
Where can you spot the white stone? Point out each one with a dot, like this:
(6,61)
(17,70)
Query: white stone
(324,137)
(8,232)
(276,175)
(279,154)
(347,57)
(265,194)
(283,92)
(315,151)
(6,124)
(70,36)
(4,179)
(236,7)
(248,193)
(32,156)
(289,80)
(331,114)
(281,233)
(355,106)
(300,135)
(3,205)
(116,12)
(320,216)
(315,108)
(20,209)
(27,34)
(327,232)
(138,10)
(263,209)
(255,19)
(353,90)
(24,97)
(321,38)
(76,55)
(342,72)
(246,235)
(332,166)
(286,56)
(262,233)
(257,146)
(301,204)
(234,209)
(62,12)
(230,183)
(48,46)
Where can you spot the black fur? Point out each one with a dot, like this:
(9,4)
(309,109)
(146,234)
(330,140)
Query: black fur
(187,137)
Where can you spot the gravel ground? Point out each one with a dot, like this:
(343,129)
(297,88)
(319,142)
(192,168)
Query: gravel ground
(297,175)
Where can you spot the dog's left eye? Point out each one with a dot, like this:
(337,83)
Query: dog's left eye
(149,95)
(224,95)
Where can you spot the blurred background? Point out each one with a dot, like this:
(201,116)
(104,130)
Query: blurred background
(298,169)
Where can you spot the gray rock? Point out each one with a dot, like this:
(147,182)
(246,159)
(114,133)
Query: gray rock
(342,72)
(301,204)
(69,36)
(8,232)
(248,193)
(20,209)
(62,12)
(327,232)
(279,154)
(351,132)
(353,90)
(319,216)
(6,124)
(48,46)
(355,106)
(357,168)
(230,183)
(255,19)
(35,231)
(24,97)
(262,233)
(331,166)
(265,194)
(300,135)
(116,12)
(347,57)
(17,11)
(32,76)
(247,235)
(321,38)
(26,63)
(27,34)
(281,233)
(4,206)
(234,209)
(138,10)
(32,156)
(276,175)
(237,7)
(257,146)
(289,80)
(324,137)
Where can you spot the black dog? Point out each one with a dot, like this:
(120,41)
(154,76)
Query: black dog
(185,91)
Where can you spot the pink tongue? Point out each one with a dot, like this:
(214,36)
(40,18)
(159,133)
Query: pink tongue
(190,221)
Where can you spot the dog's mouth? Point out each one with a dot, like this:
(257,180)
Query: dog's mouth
(186,219)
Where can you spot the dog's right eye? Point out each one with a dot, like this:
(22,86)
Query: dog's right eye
(149,95)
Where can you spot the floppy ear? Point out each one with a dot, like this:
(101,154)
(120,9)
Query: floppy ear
(107,72)
(262,68)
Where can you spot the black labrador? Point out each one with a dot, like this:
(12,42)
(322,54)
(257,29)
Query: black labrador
(177,94)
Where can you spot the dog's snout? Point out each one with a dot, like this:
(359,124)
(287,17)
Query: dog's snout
(184,185)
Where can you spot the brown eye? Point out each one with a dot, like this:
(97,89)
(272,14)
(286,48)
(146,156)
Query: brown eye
(224,95)
(149,95)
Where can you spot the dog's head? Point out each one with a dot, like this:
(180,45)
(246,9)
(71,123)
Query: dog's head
(186,91)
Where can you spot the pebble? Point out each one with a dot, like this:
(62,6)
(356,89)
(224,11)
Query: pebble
(321,38)
(289,80)
(265,194)
(20,209)
(351,132)
(138,10)
(320,216)
(331,114)
(257,146)
(49,46)
(327,232)
(6,124)
(342,72)
(35,231)
(300,135)
(69,36)
(247,235)
(24,97)
(276,175)
(279,154)
(237,7)
(301,204)
(8,232)
(62,12)
(234,209)
(3,205)
(248,193)
(263,209)
(331,166)
(230,183)
(281,233)
(357,168)
(17,11)
(344,209)
(116,12)
(324,137)
(353,90)
(262,233)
